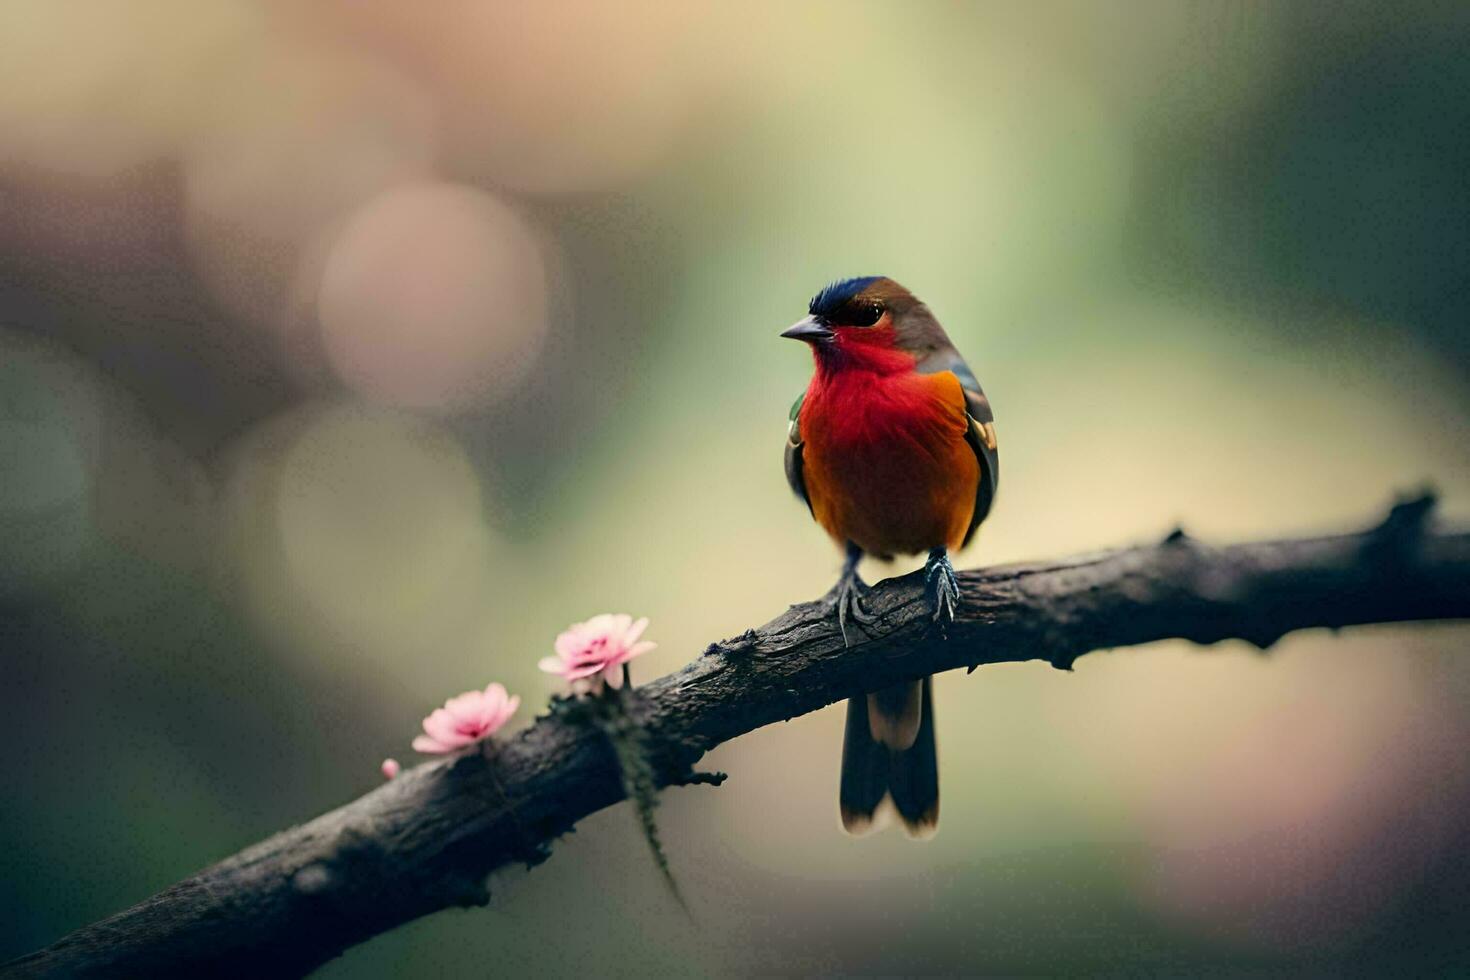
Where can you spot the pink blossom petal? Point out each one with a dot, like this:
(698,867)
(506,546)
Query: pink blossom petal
(495,721)
(630,636)
(459,702)
(582,670)
(466,709)
(492,703)
(597,652)
(511,704)
(471,713)
(427,745)
(571,641)
(628,654)
(632,652)
(443,727)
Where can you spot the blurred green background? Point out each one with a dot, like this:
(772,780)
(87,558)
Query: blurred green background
(350,350)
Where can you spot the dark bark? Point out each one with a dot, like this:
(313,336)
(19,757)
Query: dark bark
(426,840)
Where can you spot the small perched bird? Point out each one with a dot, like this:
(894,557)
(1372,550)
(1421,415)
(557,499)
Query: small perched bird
(892,448)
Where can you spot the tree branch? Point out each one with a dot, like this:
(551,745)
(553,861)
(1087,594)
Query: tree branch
(427,840)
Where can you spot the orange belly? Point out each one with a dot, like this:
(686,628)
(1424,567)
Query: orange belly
(891,472)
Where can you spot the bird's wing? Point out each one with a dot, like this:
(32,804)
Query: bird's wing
(793,453)
(981,435)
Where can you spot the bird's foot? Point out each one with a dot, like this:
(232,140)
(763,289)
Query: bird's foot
(846,600)
(943,588)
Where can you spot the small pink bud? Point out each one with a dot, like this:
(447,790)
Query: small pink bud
(391,768)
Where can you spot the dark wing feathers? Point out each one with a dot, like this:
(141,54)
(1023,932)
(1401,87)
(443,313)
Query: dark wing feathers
(981,435)
(793,454)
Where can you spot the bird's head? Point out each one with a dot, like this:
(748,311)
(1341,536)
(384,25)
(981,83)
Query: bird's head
(870,322)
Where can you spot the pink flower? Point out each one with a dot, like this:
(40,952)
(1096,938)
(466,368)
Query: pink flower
(593,653)
(466,719)
(391,768)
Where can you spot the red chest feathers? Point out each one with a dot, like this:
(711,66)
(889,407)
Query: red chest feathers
(886,463)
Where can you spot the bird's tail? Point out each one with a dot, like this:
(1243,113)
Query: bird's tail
(888,752)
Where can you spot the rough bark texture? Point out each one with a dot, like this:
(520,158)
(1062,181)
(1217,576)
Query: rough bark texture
(427,839)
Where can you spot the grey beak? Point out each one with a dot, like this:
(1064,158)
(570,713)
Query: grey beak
(808,330)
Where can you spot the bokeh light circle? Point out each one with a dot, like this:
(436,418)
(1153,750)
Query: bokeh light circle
(433,296)
(356,531)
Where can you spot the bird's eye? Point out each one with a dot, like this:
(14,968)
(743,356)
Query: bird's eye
(867,314)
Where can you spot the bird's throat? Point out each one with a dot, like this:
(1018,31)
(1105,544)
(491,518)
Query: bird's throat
(845,356)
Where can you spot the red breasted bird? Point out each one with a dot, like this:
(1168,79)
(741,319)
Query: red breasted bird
(892,448)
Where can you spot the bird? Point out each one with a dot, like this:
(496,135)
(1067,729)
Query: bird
(892,448)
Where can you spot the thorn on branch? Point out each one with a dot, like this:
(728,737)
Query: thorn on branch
(1057,648)
(1176,536)
(1394,540)
(1408,516)
(1263,640)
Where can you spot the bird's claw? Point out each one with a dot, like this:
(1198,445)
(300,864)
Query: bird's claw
(943,589)
(846,599)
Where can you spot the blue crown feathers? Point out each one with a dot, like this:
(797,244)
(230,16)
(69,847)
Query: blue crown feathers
(836,295)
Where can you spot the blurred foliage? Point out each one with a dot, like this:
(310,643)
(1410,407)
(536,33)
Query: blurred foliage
(348,351)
